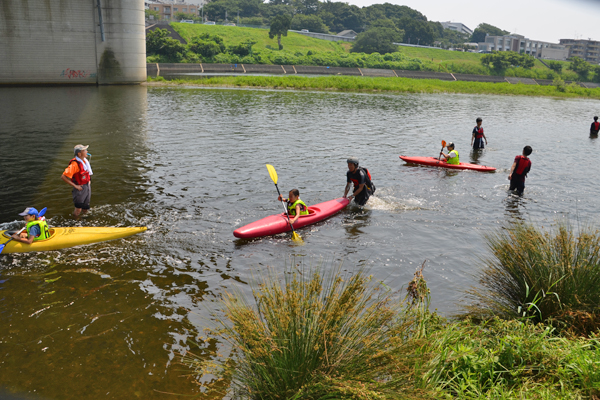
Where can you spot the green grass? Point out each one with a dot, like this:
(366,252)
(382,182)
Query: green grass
(232,35)
(310,335)
(391,85)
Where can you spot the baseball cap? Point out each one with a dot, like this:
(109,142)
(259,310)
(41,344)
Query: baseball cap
(29,211)
(80,147)
(451,144)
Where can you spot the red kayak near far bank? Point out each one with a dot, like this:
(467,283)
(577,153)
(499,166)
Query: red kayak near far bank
(278,223)
(434,162)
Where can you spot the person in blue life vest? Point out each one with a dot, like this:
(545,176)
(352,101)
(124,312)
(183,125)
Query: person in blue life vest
(595,127)
(478,136)
(361,179)
(295,206)
(36,228)
(519,170)
(78,174)
(452,156)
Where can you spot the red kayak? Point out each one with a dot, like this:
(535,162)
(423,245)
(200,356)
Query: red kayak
(278,223)
(434,162)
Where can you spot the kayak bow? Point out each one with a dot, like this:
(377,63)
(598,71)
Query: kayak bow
(278,223)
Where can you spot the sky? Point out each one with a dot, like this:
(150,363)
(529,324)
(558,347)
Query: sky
(544,20)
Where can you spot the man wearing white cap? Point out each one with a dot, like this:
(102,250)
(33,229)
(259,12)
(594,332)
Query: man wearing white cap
(79,174)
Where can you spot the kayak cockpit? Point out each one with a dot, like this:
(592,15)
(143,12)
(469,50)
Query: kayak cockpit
(9,234)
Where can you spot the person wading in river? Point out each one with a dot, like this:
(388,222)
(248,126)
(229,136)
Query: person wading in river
(478,136)
(519,170)
(361,179)
(595,127)
(79,174)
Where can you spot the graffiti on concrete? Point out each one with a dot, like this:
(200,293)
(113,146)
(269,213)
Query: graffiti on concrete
(77,74)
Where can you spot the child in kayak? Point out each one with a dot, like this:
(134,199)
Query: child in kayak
(452,156)
(36,228)
(295,206)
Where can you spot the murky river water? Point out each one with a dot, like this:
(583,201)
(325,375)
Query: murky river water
(107,320)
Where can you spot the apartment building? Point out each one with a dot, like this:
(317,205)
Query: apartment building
(168,9)
(457,26)
(588,50)
(520,44)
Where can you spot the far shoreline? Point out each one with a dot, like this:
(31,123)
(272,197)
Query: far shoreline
(380,85)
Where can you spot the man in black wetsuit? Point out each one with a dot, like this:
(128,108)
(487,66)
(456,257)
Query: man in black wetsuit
(595,128)
(363,187)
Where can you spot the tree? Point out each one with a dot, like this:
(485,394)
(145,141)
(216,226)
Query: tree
(501,60)
(555,66)
(580,66)
(243,49)
(279,26)
(306,7)
(340,16)
(483,29)
(159,42)
(154,13)
(377,40)
(311,22)
(416,31)
(207,45)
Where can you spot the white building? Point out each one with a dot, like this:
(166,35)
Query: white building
(520,44)
(458,27)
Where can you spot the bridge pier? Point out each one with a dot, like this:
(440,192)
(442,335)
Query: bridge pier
(72,42)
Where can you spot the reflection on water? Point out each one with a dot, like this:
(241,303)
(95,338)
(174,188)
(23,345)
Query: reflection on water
(110,319)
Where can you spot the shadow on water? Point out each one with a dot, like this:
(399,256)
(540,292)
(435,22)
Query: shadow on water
(476,154)
(513,204)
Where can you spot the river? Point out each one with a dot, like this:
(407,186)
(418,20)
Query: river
(109,320)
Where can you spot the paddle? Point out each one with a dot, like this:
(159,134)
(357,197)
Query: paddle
(443,145)
(273,174)
(40,214)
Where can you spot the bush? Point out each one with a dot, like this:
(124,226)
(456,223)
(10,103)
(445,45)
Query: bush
(207,45)
(159,42)
(545,277)
(316,336)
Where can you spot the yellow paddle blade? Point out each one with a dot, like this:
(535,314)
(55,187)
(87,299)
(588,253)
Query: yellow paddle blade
(443,143)
(296,238)
(272,172)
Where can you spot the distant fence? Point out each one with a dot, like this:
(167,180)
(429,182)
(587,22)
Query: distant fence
(165,69)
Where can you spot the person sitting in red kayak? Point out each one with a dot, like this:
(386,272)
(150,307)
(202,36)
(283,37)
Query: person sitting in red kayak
(36,228)
(296,207)
(452,156)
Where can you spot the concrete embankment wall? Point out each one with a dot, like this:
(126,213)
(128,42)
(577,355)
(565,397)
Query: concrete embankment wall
(72,42)
(165,69)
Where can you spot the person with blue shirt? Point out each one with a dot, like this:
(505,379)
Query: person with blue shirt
(36,228)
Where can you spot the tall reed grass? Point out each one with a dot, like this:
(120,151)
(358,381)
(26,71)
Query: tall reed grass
(320,336)
(551,277)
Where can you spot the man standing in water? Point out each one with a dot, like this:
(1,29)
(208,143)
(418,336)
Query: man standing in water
(478,136)
(79,174)
(519,170)
(595,128)
(360,177)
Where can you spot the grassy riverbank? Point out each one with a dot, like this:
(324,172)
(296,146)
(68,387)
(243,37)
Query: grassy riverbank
(339,335)
(386,85)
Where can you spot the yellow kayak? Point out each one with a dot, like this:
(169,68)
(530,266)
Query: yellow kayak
(61,238)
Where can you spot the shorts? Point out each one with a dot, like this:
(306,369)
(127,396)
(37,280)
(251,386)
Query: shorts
(519,186)
(81,198)
(362,197)
(478,144)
